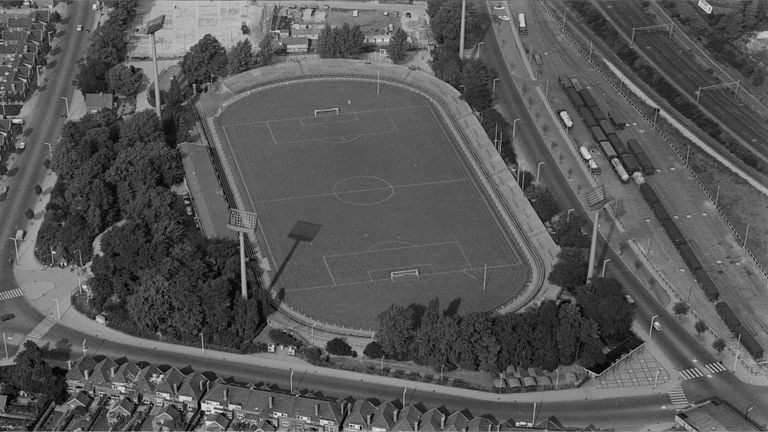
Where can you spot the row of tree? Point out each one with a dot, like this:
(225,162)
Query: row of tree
(106,50)
(545,336)
(156,274)
(472,77)
(208,60)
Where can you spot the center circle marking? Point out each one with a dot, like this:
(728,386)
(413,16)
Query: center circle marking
(363,190)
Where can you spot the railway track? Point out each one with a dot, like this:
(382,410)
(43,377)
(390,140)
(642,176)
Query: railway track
(688,76)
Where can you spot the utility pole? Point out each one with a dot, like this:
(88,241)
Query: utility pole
(461,35)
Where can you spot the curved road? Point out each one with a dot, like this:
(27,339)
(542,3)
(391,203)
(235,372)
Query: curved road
(623,413)
(680,347)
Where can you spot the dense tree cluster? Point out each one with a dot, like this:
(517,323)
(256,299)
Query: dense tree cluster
(240,57)
(32,374)
(664,88)
(125,80)
(107,48)
(340,42)
(473,77)
(156,274)
(545,336)
(725,33)
(205,61)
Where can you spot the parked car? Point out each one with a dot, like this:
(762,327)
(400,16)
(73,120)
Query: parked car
(7,317)
(21,146)
(3,192)
(80,27)
(657,325)
(629,298)
(499,6)
(504,18)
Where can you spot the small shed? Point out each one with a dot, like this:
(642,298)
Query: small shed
(296,44)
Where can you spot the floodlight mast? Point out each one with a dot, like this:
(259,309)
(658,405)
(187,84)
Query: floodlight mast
(152,27)
(242,222)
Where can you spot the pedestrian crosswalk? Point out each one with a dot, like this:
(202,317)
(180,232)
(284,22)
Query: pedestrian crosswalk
(677,396)
(41,329)
(715,367)
(7,295)
(691,373)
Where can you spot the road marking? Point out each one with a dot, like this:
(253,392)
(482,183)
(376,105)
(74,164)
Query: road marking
(42,328)
(7,295)
(691,373)
(677,396)
(715,367)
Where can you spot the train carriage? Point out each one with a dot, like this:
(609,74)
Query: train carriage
(617,144)
(586,95)
(574,97)
(597,134)
(586,115)
(608,150)
(597,113)
(620,171)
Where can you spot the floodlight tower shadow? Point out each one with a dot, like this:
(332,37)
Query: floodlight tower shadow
(301,232)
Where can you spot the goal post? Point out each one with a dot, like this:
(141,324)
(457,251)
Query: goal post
(404,273)
(326,112)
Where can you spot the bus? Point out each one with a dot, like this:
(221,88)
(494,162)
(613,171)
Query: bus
(521,26)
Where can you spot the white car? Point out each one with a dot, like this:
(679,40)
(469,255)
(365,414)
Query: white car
(499,7)
(657,325)
(80,28)
(629,298)
(21,145)
(503,17)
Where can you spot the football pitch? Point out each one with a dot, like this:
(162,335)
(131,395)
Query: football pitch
(401,215)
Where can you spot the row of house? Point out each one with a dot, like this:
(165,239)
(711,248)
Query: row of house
(24,42)
(222,404)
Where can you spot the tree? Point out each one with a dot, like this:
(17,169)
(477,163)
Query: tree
(240,57)
(542,202)
(29,214)
(32,374)
(566,232)
(268,46)
(206,59)
(38,189)
(446,22)
(447,65)
(338,346)
(396,331)
(718,345)
(91,77)
(340,42)
(398,46)
(700,327)
(570,270)
(125,80)
(244,29)
(373,350)
(477,79)
(599,297)
(680,308)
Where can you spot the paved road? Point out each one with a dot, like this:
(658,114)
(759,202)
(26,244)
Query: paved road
(42,125)
(679,346)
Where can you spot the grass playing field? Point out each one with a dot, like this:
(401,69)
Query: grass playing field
(388,187)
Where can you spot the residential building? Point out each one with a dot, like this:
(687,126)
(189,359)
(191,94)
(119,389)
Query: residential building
(122,409)
(191,391)
(408,419)
(79,399)
(149,378)
(433,420)
(296,44)
(714,415)
(215,423)
(24,41)
(360,416)
(95,102)
(282,410)
(169,418)
(123,382)
(78,376)
(101,378)
(458,421)
(385,416)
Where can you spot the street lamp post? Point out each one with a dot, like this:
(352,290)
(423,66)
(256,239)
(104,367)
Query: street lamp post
(538,171)
(650,329)
(514,129)
(15,248)
(441,372)
(493,88)
(53,260)
(202,343)
(58,312)
(5,345)
(37,70)
(568,216)
(479,44)
(602,274)
(291,381)
(66,104)
(746,414)
(50,151)
(80,256)
(153,26)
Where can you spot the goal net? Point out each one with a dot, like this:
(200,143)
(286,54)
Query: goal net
(326,112)
(404,273)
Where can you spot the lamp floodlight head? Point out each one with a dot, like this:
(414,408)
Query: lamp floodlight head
(242,221)
(155,24)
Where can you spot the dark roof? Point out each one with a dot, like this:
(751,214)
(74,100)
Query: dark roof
(715,415)
(102,372)
(360,411)
(171,382)
(407,419)
(384,417)
(206,193)
(457,421)
(432,420)
(77,373)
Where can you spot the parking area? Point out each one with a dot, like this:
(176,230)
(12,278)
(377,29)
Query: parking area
(638,369)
